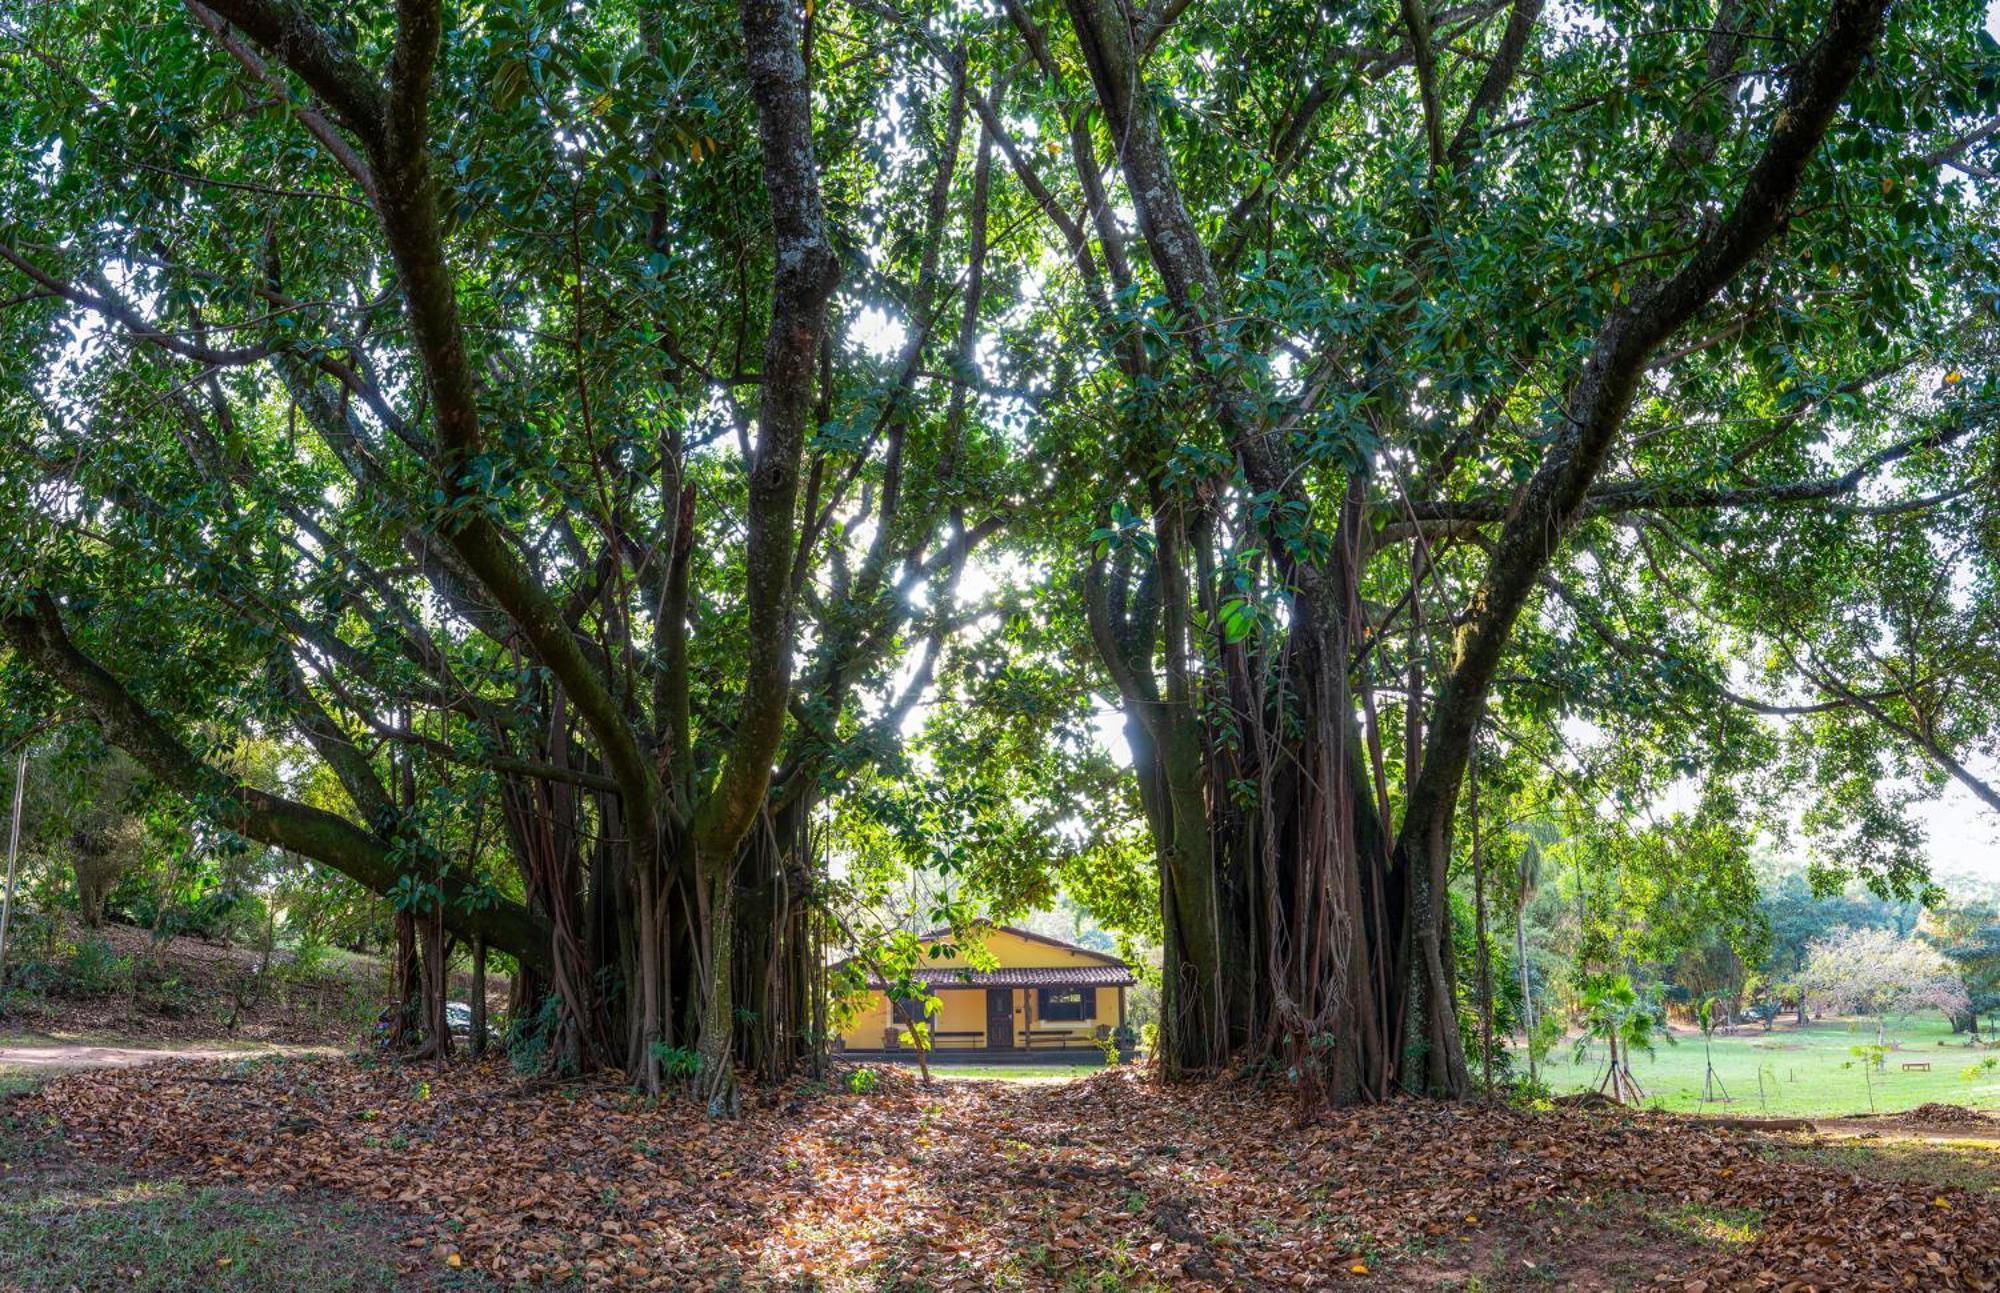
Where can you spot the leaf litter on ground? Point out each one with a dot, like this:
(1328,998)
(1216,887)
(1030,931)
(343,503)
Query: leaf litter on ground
(1109,1180)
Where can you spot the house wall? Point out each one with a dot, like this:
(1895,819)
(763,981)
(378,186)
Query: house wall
(964,1009)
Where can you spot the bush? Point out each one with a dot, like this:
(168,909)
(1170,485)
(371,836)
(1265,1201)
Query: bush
(862,1082)
(246,922)
(1523,1092)
(94,970)
(677,1061)
(528,1037)
(309,960)
(217,914)
(34,974)
(84,970)
(166,994)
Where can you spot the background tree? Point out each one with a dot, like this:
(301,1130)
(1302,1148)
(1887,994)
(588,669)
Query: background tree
(1968,934)
(1872,972)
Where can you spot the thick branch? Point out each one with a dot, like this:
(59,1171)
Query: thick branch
(38,634)
(315,123)
(805,278)
(292,36)
(1614,498)
(1494,85)
(1603,395)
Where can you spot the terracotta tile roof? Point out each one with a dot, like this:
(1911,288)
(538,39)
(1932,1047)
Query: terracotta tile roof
(1052,976)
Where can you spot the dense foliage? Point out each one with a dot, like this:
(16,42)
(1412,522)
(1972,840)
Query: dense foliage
(666,475)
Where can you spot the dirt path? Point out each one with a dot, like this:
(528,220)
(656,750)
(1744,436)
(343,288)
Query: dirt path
(48,1056)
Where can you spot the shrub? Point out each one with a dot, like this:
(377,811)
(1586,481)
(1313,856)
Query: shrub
(34,961)
(528,1037)
(166,994)
(677,1061)
(862,1082)
(308,961)
(94,970)
(215,914)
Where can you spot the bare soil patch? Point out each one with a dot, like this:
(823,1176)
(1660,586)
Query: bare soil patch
(38,1056)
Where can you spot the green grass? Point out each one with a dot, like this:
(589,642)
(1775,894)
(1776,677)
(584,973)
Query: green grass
(99,1232)
(1967,1165)
(1713,1224)
(1809,1072)
(1017,1072)
(72,1223)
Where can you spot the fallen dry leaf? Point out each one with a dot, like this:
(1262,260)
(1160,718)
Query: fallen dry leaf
(961,1184)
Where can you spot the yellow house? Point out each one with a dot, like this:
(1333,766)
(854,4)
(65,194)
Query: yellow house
(1042,994)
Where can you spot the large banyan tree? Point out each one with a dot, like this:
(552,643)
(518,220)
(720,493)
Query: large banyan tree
(1431,350)
(582,418)
(463,390)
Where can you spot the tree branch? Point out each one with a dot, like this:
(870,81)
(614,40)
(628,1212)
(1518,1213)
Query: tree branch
(1603,395)
(38,634)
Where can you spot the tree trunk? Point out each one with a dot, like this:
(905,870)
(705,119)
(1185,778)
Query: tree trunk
(1527,993)
(405,1024)
(478,1040)
(1481,958)
(715,1079)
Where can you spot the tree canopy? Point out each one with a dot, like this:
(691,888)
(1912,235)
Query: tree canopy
(653,464)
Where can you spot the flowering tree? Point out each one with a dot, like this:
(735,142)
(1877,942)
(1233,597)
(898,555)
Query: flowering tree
(1875,972)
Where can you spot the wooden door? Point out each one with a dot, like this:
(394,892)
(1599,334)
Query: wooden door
(1000,1019)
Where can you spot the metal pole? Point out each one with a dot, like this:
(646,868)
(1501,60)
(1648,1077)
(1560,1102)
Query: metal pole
(13,848)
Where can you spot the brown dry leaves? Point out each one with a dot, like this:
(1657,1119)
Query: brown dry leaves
(965,1185)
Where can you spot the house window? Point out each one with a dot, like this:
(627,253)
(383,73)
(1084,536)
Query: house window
(909,1010)
(1059,1005)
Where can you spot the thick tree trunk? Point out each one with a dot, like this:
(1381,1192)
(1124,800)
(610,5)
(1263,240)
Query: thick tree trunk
(405,1024)
(541,823)
(478,1039)
(1440,1050)
(1482,960)
(715,1079)
(775,937)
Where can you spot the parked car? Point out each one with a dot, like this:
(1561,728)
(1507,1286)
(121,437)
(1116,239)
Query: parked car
(457,1017)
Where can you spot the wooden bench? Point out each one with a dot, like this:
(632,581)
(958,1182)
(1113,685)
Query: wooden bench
(972,1040)
(939,1040)
(1919,1065)
(1056,1038)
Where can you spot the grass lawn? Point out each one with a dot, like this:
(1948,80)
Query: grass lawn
(1933,1163)
(1016,1072)
(1806,1072)
(69,1223)
(981,1072)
